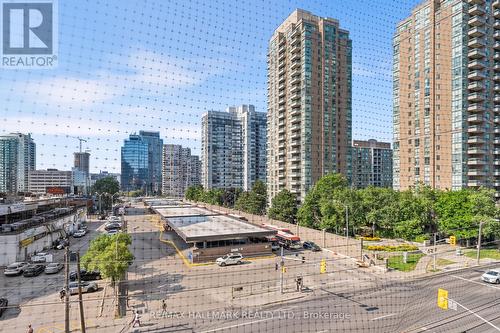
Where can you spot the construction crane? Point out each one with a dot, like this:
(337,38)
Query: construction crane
(79,139)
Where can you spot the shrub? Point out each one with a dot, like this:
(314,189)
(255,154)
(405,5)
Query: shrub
(391,248)
(370,239)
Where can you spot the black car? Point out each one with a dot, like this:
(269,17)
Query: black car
(311,246)
(112,226)
(3,305)
(85,276)
(33,270)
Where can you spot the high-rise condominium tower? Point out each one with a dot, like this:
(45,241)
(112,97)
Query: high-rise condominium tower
(180,170)
(447,95)
(233,149)
(371,164)
(309,103)
(17,159)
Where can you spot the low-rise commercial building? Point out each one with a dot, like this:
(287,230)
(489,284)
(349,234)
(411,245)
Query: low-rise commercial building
(50,181)
(210,234)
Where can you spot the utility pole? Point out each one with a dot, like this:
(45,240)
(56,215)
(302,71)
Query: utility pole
(282,269)
(479,242)
(80,299)
(346,231)
(434,253)
(66,288)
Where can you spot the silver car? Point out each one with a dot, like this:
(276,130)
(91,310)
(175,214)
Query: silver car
(230,259)
(16,268)
(53,268)
(87,287)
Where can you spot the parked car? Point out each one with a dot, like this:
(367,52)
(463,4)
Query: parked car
(311,246)
(275,246)
(62,244)
(112,232)
(3,305)
(79,233)
(33,270)
(112,225)
(491,276)
(40,257)
(14,269)
(53,268)
(230,259)
(85,276)
(87,287)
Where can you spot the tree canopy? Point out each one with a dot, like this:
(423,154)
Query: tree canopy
(284,207)
(106,185)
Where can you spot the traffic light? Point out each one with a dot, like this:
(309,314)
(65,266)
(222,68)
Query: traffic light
(303,259)
(283,269)
(322,266)
(453,240)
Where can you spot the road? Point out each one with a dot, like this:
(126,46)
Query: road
(247,298)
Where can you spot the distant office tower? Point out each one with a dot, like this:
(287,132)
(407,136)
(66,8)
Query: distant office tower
(180,170)
(447,96)
(134,164)
(371,164)
(155,148)
(17,159)
(81,173)
(233,152)
(82,162)
(50,181)
(309,103)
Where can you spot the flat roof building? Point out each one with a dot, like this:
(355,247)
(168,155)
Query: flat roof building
(210,234)
(50,181)
(371,164)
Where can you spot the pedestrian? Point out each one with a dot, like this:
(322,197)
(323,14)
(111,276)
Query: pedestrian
(62,295)
(164,305)
(136,319)
(30,330)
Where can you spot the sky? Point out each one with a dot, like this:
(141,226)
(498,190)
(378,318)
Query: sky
(126,66)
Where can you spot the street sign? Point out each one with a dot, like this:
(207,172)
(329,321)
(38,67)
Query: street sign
(442,300)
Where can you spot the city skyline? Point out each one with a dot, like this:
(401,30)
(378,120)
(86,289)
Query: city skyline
(112,104)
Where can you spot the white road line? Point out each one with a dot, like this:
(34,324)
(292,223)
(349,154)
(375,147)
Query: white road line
(237,325)
(476,282)
(387,315)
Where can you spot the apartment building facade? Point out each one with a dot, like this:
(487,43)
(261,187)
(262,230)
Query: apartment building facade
(447,95)
(309,103)
(233,153)
(371,164)
(180,170)
(17,159)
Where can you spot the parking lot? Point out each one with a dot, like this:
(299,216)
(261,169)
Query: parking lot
(38,296)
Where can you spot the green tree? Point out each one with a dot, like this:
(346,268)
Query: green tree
(323,204)
(460,212)
(194,193)
(106,185)
(254,201)
(284,207)
(111,256)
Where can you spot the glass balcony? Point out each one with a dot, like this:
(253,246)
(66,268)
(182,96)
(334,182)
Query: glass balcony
(476,54)
(476,75)
(475,129)
(475,97)
(476,64)
(477,21)
(476,32)
(496,4)
(477,42)
(476,86)
(477,10)
(475,107)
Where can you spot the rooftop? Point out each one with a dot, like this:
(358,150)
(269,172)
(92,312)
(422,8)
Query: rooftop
(194,224)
